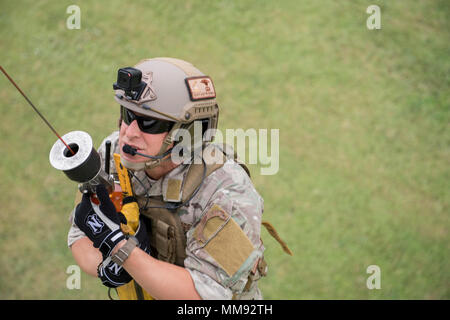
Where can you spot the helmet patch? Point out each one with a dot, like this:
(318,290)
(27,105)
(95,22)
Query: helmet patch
(200,88)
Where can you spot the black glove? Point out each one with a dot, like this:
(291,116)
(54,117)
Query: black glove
(113,275)
(100,223)
(142,235)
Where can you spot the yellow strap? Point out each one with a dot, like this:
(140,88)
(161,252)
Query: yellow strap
(124,179)
(131,212)
(127,291)
(271,229)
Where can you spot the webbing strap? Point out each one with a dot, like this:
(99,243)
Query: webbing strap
(271,229)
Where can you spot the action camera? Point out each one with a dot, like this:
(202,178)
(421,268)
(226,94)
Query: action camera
(129,80)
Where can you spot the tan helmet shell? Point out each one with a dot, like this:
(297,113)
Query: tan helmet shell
(175,91)
(167,95)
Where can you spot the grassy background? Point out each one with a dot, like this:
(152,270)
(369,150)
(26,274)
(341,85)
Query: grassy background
(363,118)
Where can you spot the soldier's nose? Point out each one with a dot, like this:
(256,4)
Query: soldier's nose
(133,129)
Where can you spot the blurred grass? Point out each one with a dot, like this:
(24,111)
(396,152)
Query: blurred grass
(363,118)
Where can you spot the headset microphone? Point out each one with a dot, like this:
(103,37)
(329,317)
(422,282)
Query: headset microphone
(130,150)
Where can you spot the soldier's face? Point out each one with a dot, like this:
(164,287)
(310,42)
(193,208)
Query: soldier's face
(146,143)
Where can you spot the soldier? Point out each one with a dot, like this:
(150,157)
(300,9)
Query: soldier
(199,226)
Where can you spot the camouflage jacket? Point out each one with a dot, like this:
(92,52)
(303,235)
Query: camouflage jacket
(230,189)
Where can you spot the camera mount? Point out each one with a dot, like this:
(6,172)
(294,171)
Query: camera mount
(130,80)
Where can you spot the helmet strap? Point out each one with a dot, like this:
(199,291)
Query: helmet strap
(165,145)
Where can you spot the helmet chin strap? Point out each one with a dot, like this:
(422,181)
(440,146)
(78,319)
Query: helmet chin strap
(156,162)
(135,166)
(159,158)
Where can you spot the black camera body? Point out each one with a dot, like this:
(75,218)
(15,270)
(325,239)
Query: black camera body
(130,80)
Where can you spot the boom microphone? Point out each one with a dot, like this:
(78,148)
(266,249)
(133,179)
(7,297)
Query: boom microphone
(130,150)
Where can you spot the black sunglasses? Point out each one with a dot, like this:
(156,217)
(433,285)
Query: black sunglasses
(146,124)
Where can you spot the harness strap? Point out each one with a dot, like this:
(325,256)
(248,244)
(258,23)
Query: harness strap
(194,177)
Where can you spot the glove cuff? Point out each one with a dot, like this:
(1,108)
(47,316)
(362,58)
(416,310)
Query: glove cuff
(124,252)
(110,242)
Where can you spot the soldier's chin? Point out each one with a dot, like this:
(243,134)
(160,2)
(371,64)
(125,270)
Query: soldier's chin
(131,165)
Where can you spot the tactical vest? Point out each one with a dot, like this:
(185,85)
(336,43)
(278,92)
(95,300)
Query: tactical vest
(168,234)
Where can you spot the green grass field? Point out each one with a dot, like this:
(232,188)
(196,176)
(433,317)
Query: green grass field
(363,118)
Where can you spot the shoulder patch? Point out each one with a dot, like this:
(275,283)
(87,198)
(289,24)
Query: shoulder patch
(223,239)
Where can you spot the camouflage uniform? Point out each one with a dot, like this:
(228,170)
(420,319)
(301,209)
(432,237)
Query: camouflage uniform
(228,187)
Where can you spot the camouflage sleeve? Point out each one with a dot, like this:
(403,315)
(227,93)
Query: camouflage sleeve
(224,245)
(75,233)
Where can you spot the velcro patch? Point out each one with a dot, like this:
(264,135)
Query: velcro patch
(200,88)
(173,190)
(225,241)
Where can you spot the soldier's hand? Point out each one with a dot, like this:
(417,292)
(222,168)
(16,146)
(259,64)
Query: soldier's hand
(101,224)
(142,236)
(113,275)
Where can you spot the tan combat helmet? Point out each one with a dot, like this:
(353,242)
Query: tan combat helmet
(176,91)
